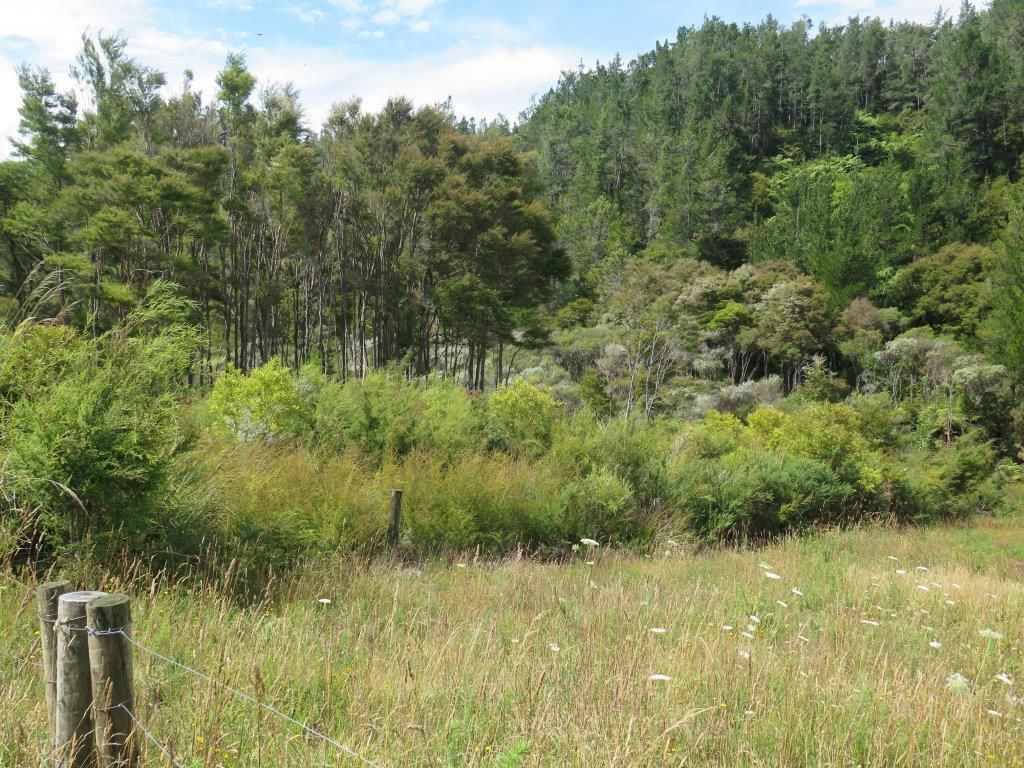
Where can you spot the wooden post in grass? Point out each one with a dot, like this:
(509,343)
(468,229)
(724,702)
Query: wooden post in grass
(46,605)
(394,518)
(110,666)
(74,742)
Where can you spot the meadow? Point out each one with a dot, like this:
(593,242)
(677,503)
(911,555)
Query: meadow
(873,646)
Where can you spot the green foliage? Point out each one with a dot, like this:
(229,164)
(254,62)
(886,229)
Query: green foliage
(522,418)
(263,405)
(93,446)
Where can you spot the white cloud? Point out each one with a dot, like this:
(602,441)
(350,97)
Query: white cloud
(386,17)
(483,78)
(304,14)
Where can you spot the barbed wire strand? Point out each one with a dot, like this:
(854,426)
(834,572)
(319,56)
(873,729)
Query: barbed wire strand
(250,698)
(166,752)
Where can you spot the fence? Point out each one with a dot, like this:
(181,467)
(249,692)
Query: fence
(87,667)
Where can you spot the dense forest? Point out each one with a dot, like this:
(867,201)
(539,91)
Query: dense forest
(761,276)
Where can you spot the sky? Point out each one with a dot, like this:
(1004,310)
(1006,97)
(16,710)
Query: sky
(490,57)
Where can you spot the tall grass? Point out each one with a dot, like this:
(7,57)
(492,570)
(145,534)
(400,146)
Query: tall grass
(522,663)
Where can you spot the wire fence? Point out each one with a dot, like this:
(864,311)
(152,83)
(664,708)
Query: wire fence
(123,631)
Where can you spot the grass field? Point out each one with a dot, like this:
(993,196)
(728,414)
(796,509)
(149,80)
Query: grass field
(874,647)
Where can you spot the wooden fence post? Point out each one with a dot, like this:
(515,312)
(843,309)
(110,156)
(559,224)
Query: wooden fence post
(113,695)
(46,602)
(394,518)
(75,745)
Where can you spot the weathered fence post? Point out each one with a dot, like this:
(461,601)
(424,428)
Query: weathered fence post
(46,602)
(74,742)
(394,518)
(110,665)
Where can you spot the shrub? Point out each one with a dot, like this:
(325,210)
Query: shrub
(93,448)
(522,418)
(263,405)
(383,415)
(751,493)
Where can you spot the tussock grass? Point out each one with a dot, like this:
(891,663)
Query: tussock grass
(455,663)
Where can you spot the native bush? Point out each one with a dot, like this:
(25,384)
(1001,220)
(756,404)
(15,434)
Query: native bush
(522,418)
(91,448)
(266,404)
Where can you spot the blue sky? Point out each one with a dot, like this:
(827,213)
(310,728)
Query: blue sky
(489,56)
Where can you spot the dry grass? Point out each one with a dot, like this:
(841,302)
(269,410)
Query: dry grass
(456,666)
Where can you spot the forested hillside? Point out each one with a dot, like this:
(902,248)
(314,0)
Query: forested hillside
(761,277)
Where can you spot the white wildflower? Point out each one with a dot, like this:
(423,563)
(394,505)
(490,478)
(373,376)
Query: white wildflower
(764,566)
(782,603)
(554,647)
(804,639)
(743,654)
(660,678)
(957,682)
(893,558)
(590,562)
(771,575)
(747,635)
(324,600)
(922,569)
(935,644)
(590,543)
(901,571)
(994,713)
(990,634)
(755,619)
(1004,678)
(923,587)
(657,630)
(727,627)
(797,592)
(869,621)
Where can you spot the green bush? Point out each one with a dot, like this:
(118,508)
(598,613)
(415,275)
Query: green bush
(265,404)
(385,416)
(522,418)
(92,448)
(750,494)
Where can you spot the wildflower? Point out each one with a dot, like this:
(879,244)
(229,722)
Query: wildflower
(951,602)
(994,713)
(957,682)
(923,587)
(755,619)
(743,654)
(804,639)
(956,586)
(764,566)
(797,592)
(936,585)
(554,647)
(657,630)
(514,640)
(460,565)
(991,595)
(593,585)
(901,571)
(324,600)
(673,543)
(782,603)
(922,569)
(1004,678)
(751,628)
(727,627)
(935,644)
(990,634)
(894,558)
(748,712)
(575,547)
(660,678)
(590,562)
(773,576)
(589,543)
(868,621)
(747,635)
